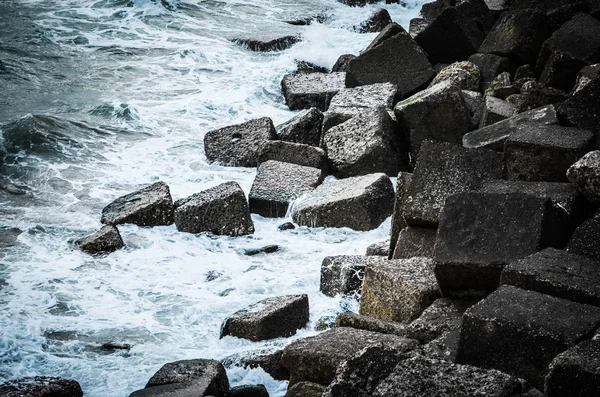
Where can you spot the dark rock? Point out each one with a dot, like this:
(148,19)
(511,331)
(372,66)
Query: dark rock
(474,104)
(367,143)
(267,249)
(443,347)
(586,239)
(269,362)
(343,274)
(239,145)
(9,236)
(491,65)
(150,206)
(303,91)
(367,323)
(498,5)
(415,241)
(443,169)
(317,358)
(304,128)
(518,35)
(268,44)
(308,67)
(524,72)
(249,391)
(41,386)
(381,248)
(357,3)
(349,100)
(557,273)
(575,372)
(543,325)
(305,389)
(378,20)
(286,226)
(442,316)
(501,87)
(342,63)
(107,239)
(534,95)
(278,184)
(432,10)
(269,318)
(398,222)
(586,76)
(480,233)
(416,26)
(541,5)
(396,59)
(360,203)
(560,71)
(585,174)
(544,152)
(221,210)
(582,110)
(558,16)
(464,74)
(495,110)
(294,153)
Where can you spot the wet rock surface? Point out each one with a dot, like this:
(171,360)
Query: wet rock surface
(344,274)
(107,239)
(294,153)
(41,386)
(303,128)
(367,323)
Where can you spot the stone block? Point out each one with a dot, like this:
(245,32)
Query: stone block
(575,372)
(442,316)
(307,90)
(294,153)
(415,241)
(367,323)
(342,63)
(304,128)
(586,238)
(491,65)
(378,20)
(305,389)
(268,44)
(365,96)
(344,274)
(495,110)
(381,248)
(585,174)
(107,239)
(268,360)
(41,386)
(398,221)
(582,109)
(474,103)
(464,74)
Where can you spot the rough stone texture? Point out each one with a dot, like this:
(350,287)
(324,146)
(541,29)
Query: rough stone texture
(239,145)
(305,389)
(378,20)
(342,63)
(457,32)
(586,238)
(343,274)
(575,372)
(560,70)
(443,169)
(269,362)
(249,391)
(365,96)
(398,222)
(524,72)
(304,128)
(442,316)
(586,76)
(269,318)
(491,65)
(518,35)
(474,103)
(398,290)
(534,95)
(278,184)
(585,174)
(464,74)
(381,248)
(416,26)
(303,91)
(501,87)
(309,67)
(396,59)
(367,323)
(438,113)
(294,153)
(495,110)
(557,273)
(543,325)
(357,3)
(544,152)
(582,110)
(221,210)
(41,386)
(360,203)
(369,142)
(480,233)
(150,206)
(443,347)
(494,136)
(268,44)
(317,358)
(415,241)
(107,239)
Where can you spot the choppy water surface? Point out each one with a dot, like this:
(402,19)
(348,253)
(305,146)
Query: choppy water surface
(99,98)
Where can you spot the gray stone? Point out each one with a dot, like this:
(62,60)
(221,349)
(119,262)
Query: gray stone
(303,91)
(267,249)
(343,274)
(221,210)
(520,332)
(560,70)
(586,76)
(294,153)
(360,203)
(438,113)
(41,386)
(524,72)
(398,290)
(317,358)
(585,174)
(381,248)
(495,110)
(270,362)
(464,74)
(304,128)
(150,206)
(268,44)
(107,239)
(378,20)
(416,26)
(342,63)
(544,152)
(443,347)
(367,323)
(586,238)
(269,318)
(305,389)
(415,241)
(534,95)
(365,96)
(398,222)
(249,391)
(239,145)
(501,87)
(286,226)
(474,103)
(357,3)
(309,67)
(582,110)
(443,169)
(491,65)
(442,316)
(575,372)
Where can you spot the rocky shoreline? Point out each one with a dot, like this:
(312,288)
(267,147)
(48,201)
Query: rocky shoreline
(488,114)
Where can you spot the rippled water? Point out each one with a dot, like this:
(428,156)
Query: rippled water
(99,98)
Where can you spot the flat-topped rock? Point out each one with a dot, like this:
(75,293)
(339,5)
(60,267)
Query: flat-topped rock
(464,74)
(304,128)
(269,318)
(415,241)
(495,110)
(520,332)
(575,372)
(41,386)
(585,174)
(365,96)
(360,203)
(107,239)
(441,316)
(367,323)
(294,153)
(343,274)
(306,90)
(221,210)
(582,110)
(150,206)
(380,248)
(239,145)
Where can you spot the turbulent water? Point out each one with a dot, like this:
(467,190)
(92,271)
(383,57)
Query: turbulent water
(101,97)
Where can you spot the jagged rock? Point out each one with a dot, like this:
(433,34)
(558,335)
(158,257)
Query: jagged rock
(480,233)
(560,15)
(303,91)
(534,95)
(415,241)
(294,153)
(490,66)
(582,110)
(524,72)
(367,323)
(416,26)
(437,113)
(442,316)
(396,59)
(150,206)
(304,128)
(239,145)
(41,386)
(495,110)
(342,63)
(586,239)
(286,226)
(544,152)
(586,76)
(268,44)
(343,274)
(560,70)
(309,67)
(381,248)
(357,3)
(269,362)
(107,239)
(443,347)
(544,326)
(495,135)
(501,87)
(317,358)
(464,74)
(585,174)
(365,96)
(249,391)
(369,142)
(432,10)
(575,372)
(305,389)
(221,210)
(269,318)
(360,203)
(267,249)
(443,169)
(398,222)
(378,20)
(474,103)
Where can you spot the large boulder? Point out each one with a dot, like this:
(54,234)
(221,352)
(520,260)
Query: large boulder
(415,241)
(268,319)
(575,372)
(349,100)
(221,210)
(464,74)
(343,274)
(378,20)
(490,66)
(582,110)
(239,145)
(360,203)
(278,184)
(585,174)
(41,386)
(107,239)
(294,153)
(394,58)
(307,90)
(150,206)
(304,128)
(442,316)
(520,332)
(305,389)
